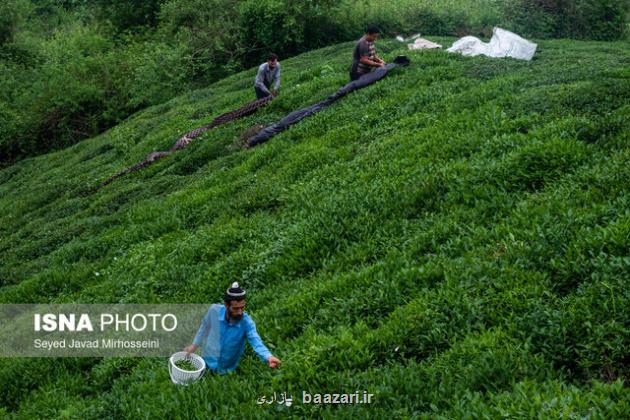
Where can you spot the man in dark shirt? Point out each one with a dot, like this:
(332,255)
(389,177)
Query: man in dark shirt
(364,58)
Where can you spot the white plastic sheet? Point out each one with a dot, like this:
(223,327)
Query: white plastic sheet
(418,43)
(422,44)
(503,44)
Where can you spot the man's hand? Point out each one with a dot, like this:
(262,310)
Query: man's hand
(190,349)
(273,362)
(274,93)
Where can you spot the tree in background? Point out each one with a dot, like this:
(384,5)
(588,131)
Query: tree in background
(289,27)
(605,20)
(209,32)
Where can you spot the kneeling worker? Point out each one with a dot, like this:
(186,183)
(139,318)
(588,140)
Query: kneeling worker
(268,73)
(364,58)
(223,332)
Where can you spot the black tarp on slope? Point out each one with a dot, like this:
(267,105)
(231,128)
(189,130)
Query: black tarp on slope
(299,115)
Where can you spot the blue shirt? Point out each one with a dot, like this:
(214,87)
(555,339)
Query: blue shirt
(223,342)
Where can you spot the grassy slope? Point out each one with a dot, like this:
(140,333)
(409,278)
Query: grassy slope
(453,239)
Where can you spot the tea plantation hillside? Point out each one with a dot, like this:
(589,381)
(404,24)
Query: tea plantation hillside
(453,239)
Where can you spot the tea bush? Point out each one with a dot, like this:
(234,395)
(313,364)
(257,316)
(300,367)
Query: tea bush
(452,239)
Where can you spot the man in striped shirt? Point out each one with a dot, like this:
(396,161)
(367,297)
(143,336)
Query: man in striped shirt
(364,58)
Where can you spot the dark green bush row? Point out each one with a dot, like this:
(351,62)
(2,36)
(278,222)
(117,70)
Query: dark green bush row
(581,19)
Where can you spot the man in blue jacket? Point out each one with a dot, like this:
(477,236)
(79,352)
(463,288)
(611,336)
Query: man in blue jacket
(268,74)
(223,332)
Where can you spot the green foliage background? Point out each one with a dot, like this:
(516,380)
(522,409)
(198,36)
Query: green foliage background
(580,19)
(453,239)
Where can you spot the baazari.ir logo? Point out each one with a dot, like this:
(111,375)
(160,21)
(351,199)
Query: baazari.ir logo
(358,397)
